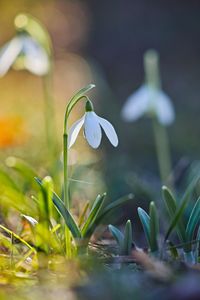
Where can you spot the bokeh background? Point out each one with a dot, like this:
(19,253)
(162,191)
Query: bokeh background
(104,42)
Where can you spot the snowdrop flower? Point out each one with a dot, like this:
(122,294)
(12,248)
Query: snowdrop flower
(92,124)
(24,52)
(151,101)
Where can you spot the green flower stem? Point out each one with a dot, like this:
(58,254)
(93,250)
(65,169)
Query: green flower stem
(66,193)
(152,77)
(163,152)
(69,108)
(65,151)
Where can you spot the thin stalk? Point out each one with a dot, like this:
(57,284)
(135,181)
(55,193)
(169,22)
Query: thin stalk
(153,80)
(49,113)
(163,152)
(74,100)
(66,192)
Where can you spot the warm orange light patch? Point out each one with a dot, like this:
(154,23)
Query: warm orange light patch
(12,131)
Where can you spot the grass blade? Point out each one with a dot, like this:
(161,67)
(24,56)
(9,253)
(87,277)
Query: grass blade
(182,207)
(92,215)
(69,220)
(171,205)
(18,238)
(127,244)
(154,227)
(119,237)
(83,214)
(145,220)
(103,213)
(193,221)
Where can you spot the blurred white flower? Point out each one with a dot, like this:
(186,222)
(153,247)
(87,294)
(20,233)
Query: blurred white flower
(148,100)
(92,129)
(24,52)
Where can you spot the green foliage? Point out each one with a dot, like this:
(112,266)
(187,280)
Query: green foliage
(180,211)
(171,206)
(150,226)
(96,215)
(124,241)
(178,221)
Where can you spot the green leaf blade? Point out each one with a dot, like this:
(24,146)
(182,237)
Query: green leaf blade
(154,227)
(127,244)
(193,221)
(118,235)
(145,220)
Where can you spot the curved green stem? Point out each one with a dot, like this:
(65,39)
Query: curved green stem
(73,101)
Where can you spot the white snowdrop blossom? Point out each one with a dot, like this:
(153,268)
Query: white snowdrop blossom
(26,53)
(148,100)
(93,125)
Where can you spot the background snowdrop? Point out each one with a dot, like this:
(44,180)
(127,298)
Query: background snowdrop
(24,52)
(31,50)
(150,100)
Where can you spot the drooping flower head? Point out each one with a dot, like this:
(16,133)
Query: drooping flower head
(92,125)
(149,99)
(24,51)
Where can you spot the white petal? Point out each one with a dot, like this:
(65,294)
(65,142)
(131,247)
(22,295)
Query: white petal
(30,219)
(8,54)
(136,104)
(36,59)
(74,131)
(109,131)
(92,129)
(164,109)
